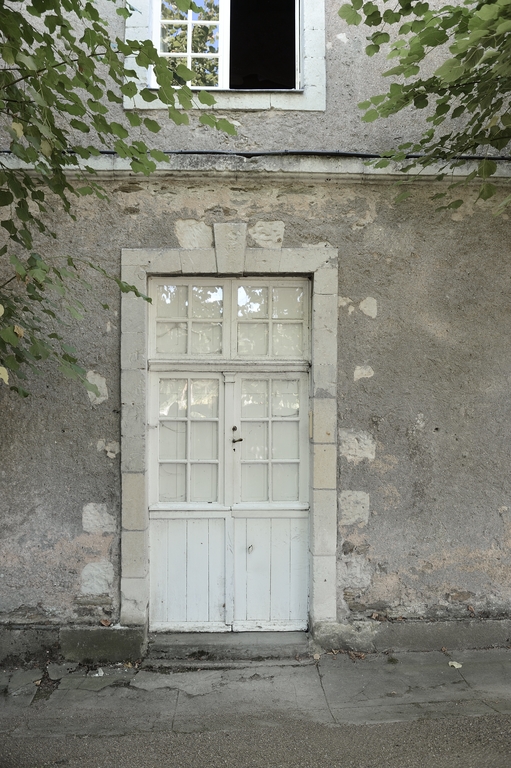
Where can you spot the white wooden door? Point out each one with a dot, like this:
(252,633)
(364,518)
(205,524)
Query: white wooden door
(229,481)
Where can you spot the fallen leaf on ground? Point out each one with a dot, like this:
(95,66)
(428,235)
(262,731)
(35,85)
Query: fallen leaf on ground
(105,622)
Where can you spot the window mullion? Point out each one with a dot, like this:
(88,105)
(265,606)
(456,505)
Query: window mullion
(298,43)
(224,41)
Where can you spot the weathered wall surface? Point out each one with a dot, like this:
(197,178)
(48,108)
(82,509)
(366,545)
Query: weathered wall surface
(424,411)
(351,76)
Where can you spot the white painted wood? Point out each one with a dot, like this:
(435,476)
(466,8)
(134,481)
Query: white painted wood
(299,569)
(197,571)
(258,571)
(187,570)
(216,575)
(281,588)
(233,555)
(189,626)
(266,626)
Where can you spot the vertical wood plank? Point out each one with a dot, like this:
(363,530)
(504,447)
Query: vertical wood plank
(175,539)
(197,567)
(280,577)
(240,569)
(299,598)
(216,558)
(158,570)
(258,569)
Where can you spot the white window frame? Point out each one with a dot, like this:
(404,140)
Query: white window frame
(144,24)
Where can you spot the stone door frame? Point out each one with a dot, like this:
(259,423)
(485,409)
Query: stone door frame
(230,256)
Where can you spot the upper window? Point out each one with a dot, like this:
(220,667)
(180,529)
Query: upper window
(254,54)
(232,44)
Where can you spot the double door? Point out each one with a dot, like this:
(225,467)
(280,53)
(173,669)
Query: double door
(229,502)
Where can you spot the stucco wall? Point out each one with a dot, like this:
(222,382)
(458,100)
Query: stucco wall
(424,317)
(351,77)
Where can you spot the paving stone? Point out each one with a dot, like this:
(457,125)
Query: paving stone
(22,681)
(58,671)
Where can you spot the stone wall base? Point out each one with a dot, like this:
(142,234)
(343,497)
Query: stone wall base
(375,636)
(108,644)
(82,644)
(22,643)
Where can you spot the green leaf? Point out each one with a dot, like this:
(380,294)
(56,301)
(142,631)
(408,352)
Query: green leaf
(129,89)
(487,190)
(370,116)
(486,168)
(207,120)
(350,15)
(152,125)
(226,126)
(8,335)
(6,197)
(450,70)
(206,98)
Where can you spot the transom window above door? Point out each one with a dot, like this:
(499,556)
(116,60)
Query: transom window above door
(246,319)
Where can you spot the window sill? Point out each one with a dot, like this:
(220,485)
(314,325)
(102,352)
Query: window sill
(310,98)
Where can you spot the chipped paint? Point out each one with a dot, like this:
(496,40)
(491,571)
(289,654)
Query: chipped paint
(356,445)
(111,448)
(97,578)
(369,307)
(97,519)
(100,382)
(363,372)
(354,572)
(354,508)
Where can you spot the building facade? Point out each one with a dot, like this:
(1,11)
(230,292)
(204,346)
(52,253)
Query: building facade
(308,426)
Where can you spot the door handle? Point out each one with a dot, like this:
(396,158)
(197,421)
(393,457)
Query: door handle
(236,439)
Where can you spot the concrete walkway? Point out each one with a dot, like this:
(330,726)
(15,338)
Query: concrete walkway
(194,698)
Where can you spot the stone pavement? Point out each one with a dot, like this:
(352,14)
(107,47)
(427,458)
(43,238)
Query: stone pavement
(193,701)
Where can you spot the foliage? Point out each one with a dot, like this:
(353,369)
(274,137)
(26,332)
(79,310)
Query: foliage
(467,97)
(62,81)
(204,40)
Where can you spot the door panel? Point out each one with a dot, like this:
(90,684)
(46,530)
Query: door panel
(188,573)
(270,567)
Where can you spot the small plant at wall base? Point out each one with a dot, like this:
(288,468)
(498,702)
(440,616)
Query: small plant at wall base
(473,83)
(63,77)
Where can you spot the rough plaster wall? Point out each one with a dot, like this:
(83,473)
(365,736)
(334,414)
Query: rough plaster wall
(424,501)
(59,494)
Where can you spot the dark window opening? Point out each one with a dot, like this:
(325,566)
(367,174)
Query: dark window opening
(263,45)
